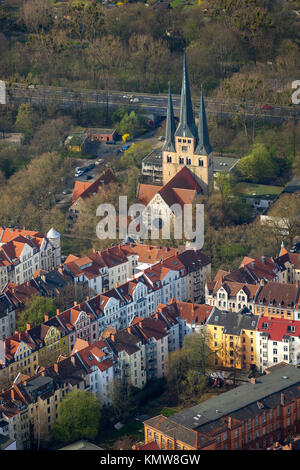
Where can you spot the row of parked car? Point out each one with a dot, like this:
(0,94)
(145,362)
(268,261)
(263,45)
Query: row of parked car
(80,170)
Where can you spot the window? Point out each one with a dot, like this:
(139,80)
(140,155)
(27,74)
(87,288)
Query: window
(200,162)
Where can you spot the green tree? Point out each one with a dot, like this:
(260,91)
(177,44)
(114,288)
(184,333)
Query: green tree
(78,417)
(133,156)
(34,311)
(131,123)
(259,166)
(27,120)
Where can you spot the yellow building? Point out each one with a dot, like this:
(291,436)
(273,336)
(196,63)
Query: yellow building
(232,337)
(52,341)
(19,355)
(279,300)
(187,145)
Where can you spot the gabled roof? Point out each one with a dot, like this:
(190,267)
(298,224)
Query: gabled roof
(276,294)
(277,328)
(182,189)
(83,189)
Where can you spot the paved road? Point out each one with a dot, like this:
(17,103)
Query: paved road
(150,103)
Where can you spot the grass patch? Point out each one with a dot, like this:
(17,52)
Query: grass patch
(251,189)
(167,411)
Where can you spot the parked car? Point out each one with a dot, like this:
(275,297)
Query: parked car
(266,106)
(79,173)
(99,161)
(90,166)
(134,100)
(126,147)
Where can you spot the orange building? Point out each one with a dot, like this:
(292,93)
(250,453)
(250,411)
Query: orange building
(251,416)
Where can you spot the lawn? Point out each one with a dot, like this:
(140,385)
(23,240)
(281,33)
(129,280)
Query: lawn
(251,189)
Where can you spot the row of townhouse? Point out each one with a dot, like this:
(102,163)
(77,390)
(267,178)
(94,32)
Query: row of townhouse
(29,406)
(136,354)
(101,270)
(267,298)
(181,276)
(23,252)
(243,340)
(285,269)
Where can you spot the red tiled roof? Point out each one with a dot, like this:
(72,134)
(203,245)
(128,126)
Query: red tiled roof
(277,327)
(181,189)
(83,189)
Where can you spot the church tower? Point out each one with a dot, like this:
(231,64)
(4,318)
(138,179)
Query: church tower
(187,145)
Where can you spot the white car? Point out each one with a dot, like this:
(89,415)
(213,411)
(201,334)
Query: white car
(134,100)
(99,161)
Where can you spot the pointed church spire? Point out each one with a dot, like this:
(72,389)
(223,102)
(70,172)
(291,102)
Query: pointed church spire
(187,126)
(170,126)
(203,147)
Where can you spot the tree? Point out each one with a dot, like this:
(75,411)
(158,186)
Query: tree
(123,402)
(27,120)
(285,217)
(188,368)
(133,156)
(259,166)
(36,15)
(132,124)
(34,311)
(78,417)
(73,291)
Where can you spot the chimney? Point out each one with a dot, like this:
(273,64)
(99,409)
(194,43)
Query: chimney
(253,380)
(60,269)
(132,276)
(46,317)
(28,326)
(112,337)
(282,398)
(128,329)
(87,298)
(43,374)
(229,422)
(13,394)
(57,311)
(75,303)
(55,367)
(156,315)
(140,323)
(116,284)
(73,360)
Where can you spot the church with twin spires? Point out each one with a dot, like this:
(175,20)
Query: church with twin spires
(188,145)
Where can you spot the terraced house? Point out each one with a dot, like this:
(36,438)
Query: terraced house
(251,416)
(277,340)
(29,406)
(18,353)
(232,338)
(278,300)
(23,252)
(230,295)
(51,340)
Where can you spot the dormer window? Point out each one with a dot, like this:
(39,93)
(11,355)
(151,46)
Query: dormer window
(200,162)
(169,159)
